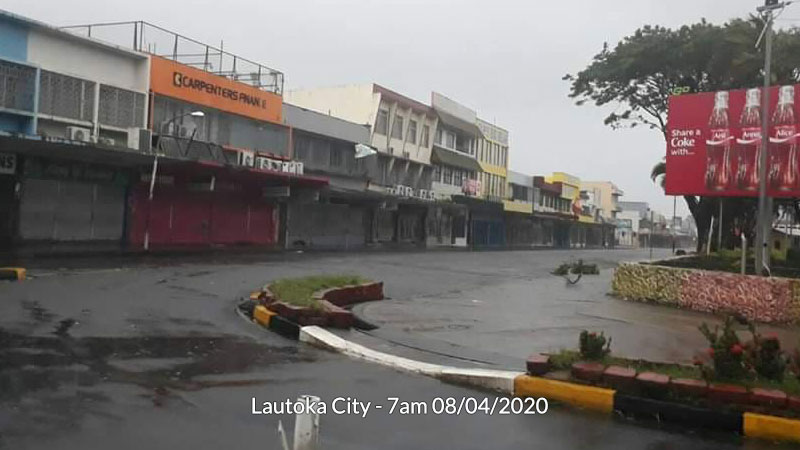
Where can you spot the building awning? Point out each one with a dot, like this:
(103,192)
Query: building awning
(461,125)
(456,159)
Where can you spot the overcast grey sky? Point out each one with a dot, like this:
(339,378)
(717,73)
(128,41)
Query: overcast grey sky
(503,58)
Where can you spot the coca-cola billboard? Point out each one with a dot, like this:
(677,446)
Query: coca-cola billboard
(714,143)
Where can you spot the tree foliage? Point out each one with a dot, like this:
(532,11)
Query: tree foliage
(639,74)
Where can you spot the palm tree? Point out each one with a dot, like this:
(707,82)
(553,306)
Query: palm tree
(658,174)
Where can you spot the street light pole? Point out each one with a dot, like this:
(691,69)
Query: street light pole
(764,223)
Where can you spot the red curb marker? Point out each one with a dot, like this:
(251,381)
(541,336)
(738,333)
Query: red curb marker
(588,371)
(768,397)
(689,386)
(538,364)
(652,379)
(728,393)
(619,376)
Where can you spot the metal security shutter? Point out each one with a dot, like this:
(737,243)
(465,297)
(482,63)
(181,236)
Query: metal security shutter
(71,211)
(37,209)
(74,212)
(108,212)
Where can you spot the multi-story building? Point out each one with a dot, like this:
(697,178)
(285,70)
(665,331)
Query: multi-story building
(455,170)
(116,146)
(67,104)
(518,209)
(341,215)
(605,198)
(492,151)
(401,131)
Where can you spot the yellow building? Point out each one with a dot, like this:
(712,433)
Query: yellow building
(570,187)
(491,149)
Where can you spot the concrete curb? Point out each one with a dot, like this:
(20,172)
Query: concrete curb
(594,398)
(13,273)
(495,380)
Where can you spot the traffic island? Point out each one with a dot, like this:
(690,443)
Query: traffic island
(660,391)
(285,305)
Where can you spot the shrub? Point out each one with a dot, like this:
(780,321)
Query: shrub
(594,346)
(577,268)
(726,352)
(765,356)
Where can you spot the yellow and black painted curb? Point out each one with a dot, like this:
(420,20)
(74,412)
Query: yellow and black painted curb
(13,273)
(610,400)
(275,322)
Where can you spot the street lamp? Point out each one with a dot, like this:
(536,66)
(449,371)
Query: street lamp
(764,223)
(198,114)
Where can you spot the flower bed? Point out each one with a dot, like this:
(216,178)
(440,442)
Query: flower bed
(318,300)
(770,300)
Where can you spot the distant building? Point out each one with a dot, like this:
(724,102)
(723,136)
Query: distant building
(605,198)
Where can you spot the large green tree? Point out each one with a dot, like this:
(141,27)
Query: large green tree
(639,74)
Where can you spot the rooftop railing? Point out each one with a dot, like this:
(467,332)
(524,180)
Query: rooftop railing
(148,38)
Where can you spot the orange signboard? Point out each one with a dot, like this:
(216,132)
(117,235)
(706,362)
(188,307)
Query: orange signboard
(202,88)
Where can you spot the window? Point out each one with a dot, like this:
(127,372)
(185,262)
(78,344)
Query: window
(17,86)
(397,127)
(439,136)
(412,131)
(447,175)
(336,157)
(120,107)
(382,122)
(437,174)
(458,177)
(425,132)
(450,140)
(65,96)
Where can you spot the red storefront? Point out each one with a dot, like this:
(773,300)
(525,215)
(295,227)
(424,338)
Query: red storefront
(206,204)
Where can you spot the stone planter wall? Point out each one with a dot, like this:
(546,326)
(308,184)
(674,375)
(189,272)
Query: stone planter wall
(332,302)
(770,300)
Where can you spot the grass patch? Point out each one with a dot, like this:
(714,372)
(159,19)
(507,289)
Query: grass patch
(299,291)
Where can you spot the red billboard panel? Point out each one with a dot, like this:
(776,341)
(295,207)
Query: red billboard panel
(714,143)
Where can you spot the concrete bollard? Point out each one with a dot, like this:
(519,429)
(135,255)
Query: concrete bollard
(306,426)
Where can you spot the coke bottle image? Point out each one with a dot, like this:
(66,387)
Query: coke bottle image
(783,143)
(748,147)
(718,145)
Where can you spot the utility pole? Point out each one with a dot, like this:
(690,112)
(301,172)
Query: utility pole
(764,224)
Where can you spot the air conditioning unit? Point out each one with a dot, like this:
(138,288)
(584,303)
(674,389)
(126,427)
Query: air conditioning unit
(300,168)
(79,134)
(285,167)
(140,139)
(422,193)
(106,141)
(246,158)
(262,163)
(275,165)
(292,167)
(431,195)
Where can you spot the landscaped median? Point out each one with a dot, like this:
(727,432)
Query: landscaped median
(764,299)
(287,304)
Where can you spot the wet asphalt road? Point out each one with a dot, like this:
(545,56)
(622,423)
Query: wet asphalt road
(131,354)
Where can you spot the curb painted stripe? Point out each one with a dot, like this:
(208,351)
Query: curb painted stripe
(771,427)
(686,415)
(284,327)
(262,315)
(590,397)
(13,273)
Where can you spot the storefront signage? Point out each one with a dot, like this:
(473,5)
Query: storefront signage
(8,163)
(714,143)
(203,88)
